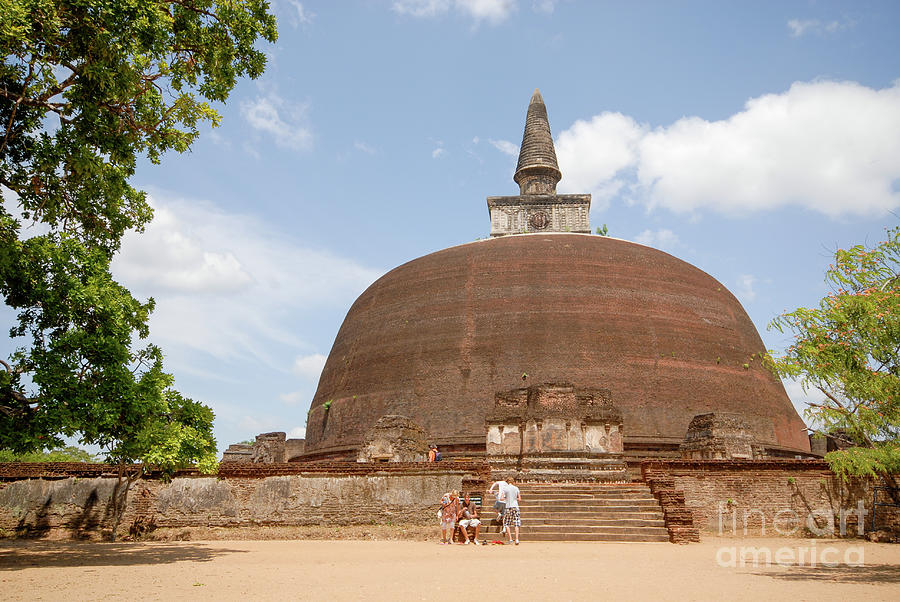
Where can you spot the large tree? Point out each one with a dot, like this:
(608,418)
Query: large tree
(87,87)
(847,351)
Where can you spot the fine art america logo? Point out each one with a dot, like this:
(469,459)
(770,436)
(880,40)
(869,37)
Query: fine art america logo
(788,522)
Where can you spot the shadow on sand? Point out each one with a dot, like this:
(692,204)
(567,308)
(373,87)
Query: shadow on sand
(20,555)
(881,573)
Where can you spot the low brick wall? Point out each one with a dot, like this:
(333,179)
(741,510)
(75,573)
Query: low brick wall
(74,498)
(768,497)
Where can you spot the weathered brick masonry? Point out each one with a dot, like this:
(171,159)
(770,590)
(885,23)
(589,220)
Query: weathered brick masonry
(74,497)
(749,497)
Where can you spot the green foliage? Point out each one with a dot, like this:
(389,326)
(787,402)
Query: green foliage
(327,405)
(879,460)
(87,87)
(604,231)
(848,350)
(70,453)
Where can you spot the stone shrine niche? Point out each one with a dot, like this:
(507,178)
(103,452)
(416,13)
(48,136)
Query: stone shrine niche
(551,418)
(394,439)
(556,431)
(720,436)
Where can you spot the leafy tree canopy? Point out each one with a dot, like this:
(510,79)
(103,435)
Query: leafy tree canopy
(848,350)
(70,453)
(87,87)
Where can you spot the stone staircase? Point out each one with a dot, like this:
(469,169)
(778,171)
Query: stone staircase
(583,512)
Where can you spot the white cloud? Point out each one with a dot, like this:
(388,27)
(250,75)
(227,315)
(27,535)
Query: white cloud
(310,366)
(285,122)
(300,16)
(660,239)
(592,153)
(544,6)
(493,11)
(801,27)
(744,287)
(831,147)
(436,153)
(298,432)
(226,285)
(170,258)
(294,398)
(505,146)
(363,147)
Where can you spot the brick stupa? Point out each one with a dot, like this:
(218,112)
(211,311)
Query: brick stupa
(543,301)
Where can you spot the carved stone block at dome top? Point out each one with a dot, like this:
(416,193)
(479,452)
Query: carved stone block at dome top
(556,432)
(394,439)
(540,213)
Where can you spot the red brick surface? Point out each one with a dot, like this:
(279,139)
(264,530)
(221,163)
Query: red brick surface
(732,496)
(437,337)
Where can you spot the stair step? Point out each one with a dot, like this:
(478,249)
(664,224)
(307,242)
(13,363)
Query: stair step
(597,537)
(606,522)
(569,507)
(583,512)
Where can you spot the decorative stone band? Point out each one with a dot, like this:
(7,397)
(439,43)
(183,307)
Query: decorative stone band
(540,213)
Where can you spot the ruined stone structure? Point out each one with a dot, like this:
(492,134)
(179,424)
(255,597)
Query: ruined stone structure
(538,208)
(238,452)
(269,448)
(293,449)
(719,436)
(436,338)
(556,432)
(394,439)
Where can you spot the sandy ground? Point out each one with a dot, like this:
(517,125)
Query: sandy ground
(410,570)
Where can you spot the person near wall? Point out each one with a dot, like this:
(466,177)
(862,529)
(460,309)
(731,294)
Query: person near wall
(511,517)
(468,519)
(449,511)
(432,450)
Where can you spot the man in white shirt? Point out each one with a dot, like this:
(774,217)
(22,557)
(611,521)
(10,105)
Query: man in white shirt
(511,517)
(500,504)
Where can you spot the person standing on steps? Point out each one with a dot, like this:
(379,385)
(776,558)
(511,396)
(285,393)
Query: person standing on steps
(511,517)
(499,505)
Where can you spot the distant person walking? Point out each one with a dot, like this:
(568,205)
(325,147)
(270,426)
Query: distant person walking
(511,517)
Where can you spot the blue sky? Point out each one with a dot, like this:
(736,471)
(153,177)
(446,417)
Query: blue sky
(749,139)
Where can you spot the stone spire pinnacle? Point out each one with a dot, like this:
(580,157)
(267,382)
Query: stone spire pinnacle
(537,171)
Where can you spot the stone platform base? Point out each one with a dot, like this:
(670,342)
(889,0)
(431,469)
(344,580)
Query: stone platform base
(560,467)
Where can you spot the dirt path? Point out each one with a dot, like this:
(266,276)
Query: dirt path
(403,570)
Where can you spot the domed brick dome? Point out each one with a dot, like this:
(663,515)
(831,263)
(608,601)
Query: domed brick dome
(436,338)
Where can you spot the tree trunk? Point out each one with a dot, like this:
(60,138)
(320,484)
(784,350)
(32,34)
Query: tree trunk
(119,498)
